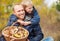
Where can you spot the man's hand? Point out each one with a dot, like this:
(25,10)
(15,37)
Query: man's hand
(21,22)
(27,23)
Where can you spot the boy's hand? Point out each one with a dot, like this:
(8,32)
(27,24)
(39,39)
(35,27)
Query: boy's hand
(24,23)
(27,23)
(21,22)
(27,39)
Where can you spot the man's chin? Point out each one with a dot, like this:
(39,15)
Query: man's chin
(21,18)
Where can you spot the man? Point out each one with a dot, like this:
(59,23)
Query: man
(17,16)
(35,33)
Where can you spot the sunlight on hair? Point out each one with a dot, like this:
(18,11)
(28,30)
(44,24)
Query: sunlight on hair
(26,2)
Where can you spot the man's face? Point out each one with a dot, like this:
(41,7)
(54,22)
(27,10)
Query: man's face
(19,11)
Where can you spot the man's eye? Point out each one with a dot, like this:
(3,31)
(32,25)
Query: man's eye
(22,10)
(18,11)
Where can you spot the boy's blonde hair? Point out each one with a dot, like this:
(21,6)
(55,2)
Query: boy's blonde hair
(26,3)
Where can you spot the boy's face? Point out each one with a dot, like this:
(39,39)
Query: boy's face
(19,11)
(29,9)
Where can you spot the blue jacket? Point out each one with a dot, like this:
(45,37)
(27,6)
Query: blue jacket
(35,33)
(35,29)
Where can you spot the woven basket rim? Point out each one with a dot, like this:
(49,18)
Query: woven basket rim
(14,37)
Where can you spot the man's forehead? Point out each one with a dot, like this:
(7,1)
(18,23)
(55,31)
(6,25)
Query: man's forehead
(18,7)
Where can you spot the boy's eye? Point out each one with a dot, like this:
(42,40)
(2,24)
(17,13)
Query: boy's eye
(29,8)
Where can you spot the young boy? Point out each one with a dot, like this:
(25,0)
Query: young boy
(31,23)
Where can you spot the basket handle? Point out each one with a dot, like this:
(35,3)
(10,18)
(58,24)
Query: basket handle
(11,26)
(13,23)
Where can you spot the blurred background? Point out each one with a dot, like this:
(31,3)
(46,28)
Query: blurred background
(49,12)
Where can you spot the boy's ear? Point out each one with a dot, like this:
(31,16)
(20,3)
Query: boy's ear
(33,6)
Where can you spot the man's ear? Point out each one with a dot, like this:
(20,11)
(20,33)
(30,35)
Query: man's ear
(14,12)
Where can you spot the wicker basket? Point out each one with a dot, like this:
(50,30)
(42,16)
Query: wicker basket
(14,39)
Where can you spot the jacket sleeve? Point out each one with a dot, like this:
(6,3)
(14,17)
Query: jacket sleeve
(38,35)
(11,20)
(36,18)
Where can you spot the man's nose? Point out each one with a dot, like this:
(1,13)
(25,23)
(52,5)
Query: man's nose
(22,12)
